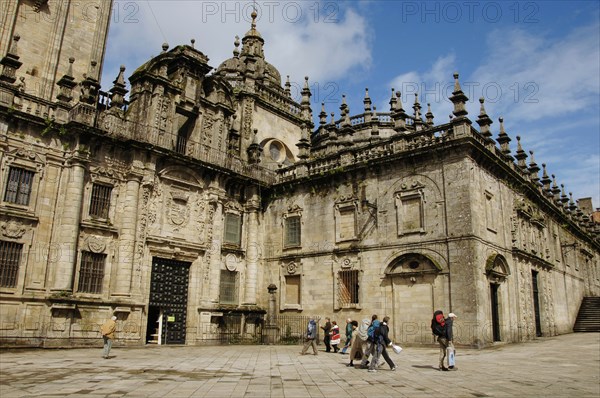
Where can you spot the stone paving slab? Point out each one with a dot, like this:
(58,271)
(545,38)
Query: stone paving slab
(561,366)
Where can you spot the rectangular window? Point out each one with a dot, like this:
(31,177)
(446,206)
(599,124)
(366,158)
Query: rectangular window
(18,186)
(91,272)
(347,223)
(292,289)
(348,287)
(292,231)
(10,257)
(100,203)
(233,229)
(228,289)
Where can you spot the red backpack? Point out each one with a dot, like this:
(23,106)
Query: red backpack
(438,324)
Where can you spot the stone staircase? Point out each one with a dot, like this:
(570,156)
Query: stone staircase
(588,318)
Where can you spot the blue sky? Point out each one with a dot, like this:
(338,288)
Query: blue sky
(536,63)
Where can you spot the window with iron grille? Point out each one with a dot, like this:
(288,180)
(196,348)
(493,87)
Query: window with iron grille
(18,186)
(228,289)
(10,257)
(233,229)
(91,272)
(348,287)
(292,231)
(100,203)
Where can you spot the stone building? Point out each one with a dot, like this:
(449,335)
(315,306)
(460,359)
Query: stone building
(205,197)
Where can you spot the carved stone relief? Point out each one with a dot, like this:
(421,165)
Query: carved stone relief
(13,229)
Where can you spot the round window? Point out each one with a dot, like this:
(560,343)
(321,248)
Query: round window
(413,265)
(277,151)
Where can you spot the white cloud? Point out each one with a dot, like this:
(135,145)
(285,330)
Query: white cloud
(321,40)
(540,77)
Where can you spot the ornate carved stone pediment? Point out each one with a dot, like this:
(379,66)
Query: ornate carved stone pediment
(13,229)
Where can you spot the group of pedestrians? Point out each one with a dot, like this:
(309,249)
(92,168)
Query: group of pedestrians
(369,340)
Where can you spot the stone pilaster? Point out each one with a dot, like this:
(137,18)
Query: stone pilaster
(127,235)
(252,250)
(68,232)
(215,252)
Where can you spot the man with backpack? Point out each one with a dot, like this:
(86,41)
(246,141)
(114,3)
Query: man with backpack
(440,328)
(370,343)
(311,336)
(381,341)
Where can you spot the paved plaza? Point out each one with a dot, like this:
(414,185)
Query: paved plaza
(561,366)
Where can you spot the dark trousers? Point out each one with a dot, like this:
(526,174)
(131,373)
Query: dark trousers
(326,341)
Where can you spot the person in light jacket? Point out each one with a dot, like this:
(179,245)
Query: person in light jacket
(311,337)
(108,335)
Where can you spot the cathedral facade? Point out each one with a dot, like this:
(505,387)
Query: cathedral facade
(198,195)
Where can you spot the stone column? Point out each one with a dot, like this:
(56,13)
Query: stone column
(124,267)
(252,250)
(68,232)
(271,331)
(215,253)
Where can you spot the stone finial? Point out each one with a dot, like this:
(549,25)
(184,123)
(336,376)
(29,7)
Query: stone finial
(484,121)
(66,84)
(459,99)
(90,86)
(332,129)
(288,87)
(193,42)
(305,102)
(118,91)
(236,50)
(564,199)
(323,115)
(374,122)
(367,101)
(429,116)
(572,205)
(546,181)
(555,189)
(418,123)
(253,15)
(520,155)
(165,47)
(11,63)
(399,115)
(533,169)
(393,101)
(345,112)
(70,70)
(399,102)
(504,140)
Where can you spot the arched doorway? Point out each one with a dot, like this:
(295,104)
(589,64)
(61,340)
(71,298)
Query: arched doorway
(412,277)
(496,270)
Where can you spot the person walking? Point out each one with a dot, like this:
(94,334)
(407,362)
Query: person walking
(108,335)
(327,334)
(335,336)
(381,341)
(370,341)
(311,337)
(356,343)
(349,330)
(438,327)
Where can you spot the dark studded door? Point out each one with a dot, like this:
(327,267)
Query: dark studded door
(168,292)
